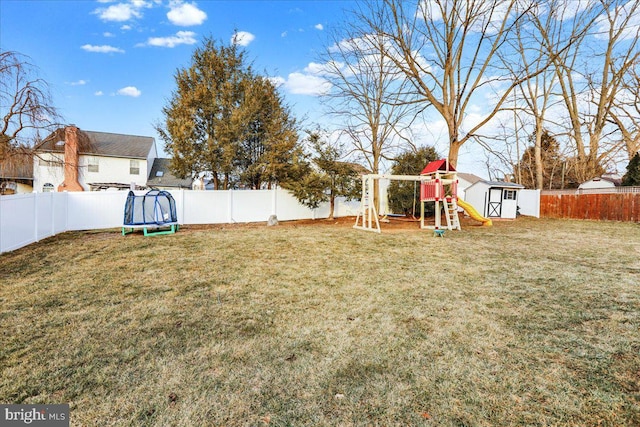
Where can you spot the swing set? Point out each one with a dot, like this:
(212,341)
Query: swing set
(438,185)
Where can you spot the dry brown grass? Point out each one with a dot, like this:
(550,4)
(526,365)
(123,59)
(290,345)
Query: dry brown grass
(532,322)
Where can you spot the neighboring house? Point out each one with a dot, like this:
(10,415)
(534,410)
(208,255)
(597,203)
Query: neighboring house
(466,180)
(604,181)
(161,177)
(71,159)
(494,199)
(16,175)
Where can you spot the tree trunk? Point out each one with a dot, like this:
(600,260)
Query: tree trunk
(332,204)
(454,148)
(537,152)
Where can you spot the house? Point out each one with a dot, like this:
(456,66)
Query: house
(466,180)
(71,159)
(16,174)
(494,199)
(161,177)
(604,181)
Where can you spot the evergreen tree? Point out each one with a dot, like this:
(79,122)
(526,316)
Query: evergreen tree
(226,120)
(632,177)
(404,196)
(327,178)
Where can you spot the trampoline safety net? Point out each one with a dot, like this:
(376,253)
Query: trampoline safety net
(156,207)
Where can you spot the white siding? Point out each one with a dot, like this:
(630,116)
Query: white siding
(43,174)
(110,170)
(476,196)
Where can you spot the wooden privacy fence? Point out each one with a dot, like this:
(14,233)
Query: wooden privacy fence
(613,207)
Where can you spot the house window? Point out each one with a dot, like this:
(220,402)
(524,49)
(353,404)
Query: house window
(94,165)
(47,188)
(134,167)
(509,194)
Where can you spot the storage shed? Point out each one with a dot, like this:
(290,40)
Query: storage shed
(494,199)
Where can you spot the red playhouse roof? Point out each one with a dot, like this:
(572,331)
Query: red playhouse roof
(441,165)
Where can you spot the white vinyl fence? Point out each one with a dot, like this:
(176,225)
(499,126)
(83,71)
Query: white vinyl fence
(529,202)
(28,218)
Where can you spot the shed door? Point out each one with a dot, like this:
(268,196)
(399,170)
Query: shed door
(494,207)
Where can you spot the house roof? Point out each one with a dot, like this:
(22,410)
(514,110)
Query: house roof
(613,180)
(441,165)
(103,144)
(469,177)
(18,167)
(161,176)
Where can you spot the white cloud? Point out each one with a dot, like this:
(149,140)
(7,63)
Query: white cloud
(125,27)
(101,49)
(122,12)
(242,38)
(626,22)
(283,34)
(181,37)
(318,27)
(330,68)
(129,91)
(139,4)
(118,12)
(185,14)
(277,81)
(98,93)
(78,83)
(305,84)
(108,34)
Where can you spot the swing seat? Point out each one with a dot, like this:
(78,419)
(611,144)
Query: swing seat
(438,233)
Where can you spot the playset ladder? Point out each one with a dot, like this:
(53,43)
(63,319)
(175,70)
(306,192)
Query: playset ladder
(451,213)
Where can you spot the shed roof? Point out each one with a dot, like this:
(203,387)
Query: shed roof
(441,165)
(501,184)
(161,176)
(103,144)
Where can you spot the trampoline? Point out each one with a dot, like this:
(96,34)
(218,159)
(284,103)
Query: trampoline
(154,212)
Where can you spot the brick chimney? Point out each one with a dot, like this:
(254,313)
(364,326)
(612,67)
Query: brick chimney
(71,158)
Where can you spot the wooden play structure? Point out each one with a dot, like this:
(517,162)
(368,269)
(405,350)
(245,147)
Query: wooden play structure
(438,185)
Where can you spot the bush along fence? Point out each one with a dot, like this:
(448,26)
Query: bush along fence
(612,207)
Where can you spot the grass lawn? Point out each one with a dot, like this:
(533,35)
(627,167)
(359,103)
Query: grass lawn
(530,322)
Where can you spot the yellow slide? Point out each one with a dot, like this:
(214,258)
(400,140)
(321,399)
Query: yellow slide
(473,213)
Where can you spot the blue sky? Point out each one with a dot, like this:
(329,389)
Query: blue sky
(110,64)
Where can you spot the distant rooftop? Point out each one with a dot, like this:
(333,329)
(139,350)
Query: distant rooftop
(103,144)
(161,176)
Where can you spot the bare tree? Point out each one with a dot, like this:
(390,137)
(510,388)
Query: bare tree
(26,106)
(626,114)
(536,93)
(590,76)
(448,50)
(368,95)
